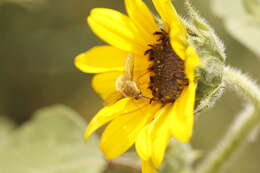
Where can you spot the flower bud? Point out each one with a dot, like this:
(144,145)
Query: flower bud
(211,51)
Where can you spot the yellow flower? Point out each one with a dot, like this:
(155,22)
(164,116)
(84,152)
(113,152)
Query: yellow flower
(159,63)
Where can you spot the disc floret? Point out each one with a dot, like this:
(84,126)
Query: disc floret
(168,78)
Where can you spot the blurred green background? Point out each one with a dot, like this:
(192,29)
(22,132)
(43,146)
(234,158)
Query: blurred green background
(40,38)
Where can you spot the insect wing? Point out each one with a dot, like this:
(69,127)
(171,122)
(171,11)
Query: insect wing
(129,66)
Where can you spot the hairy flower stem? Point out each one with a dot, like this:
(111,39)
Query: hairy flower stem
(244,124)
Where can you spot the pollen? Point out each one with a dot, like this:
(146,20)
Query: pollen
(168,78)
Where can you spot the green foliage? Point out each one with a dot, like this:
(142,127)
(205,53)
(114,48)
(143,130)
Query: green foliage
(52,142)
(252,7)
(242,20)
(246,30)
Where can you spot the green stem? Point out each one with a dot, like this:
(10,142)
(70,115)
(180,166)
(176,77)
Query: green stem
(244,124)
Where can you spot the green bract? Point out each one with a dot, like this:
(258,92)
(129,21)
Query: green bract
(212,53)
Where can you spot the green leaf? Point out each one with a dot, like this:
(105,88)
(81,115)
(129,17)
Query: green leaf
(252,7)
(245,30)
(241,20)
(52,142)
(225,9)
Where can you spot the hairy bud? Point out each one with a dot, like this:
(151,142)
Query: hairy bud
(212,53)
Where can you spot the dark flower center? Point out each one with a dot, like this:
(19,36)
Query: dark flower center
(168,79)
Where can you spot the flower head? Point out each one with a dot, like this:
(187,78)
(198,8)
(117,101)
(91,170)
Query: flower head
(147,78)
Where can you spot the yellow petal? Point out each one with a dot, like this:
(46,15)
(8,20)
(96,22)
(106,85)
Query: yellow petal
(191,63)
(178,42)
(121,133)
(182,114)
(143,18)
(143,81)
(105,115)
(105,83)
(147,167)
(101,59)
(160,134)
(168,14)
(143,143)
(117,30)
(154,138)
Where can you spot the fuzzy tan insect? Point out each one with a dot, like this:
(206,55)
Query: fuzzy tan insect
(125,83)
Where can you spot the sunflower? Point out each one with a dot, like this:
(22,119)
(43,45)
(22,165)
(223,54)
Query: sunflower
(162,71)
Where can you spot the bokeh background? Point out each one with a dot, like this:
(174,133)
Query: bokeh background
(40,38)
